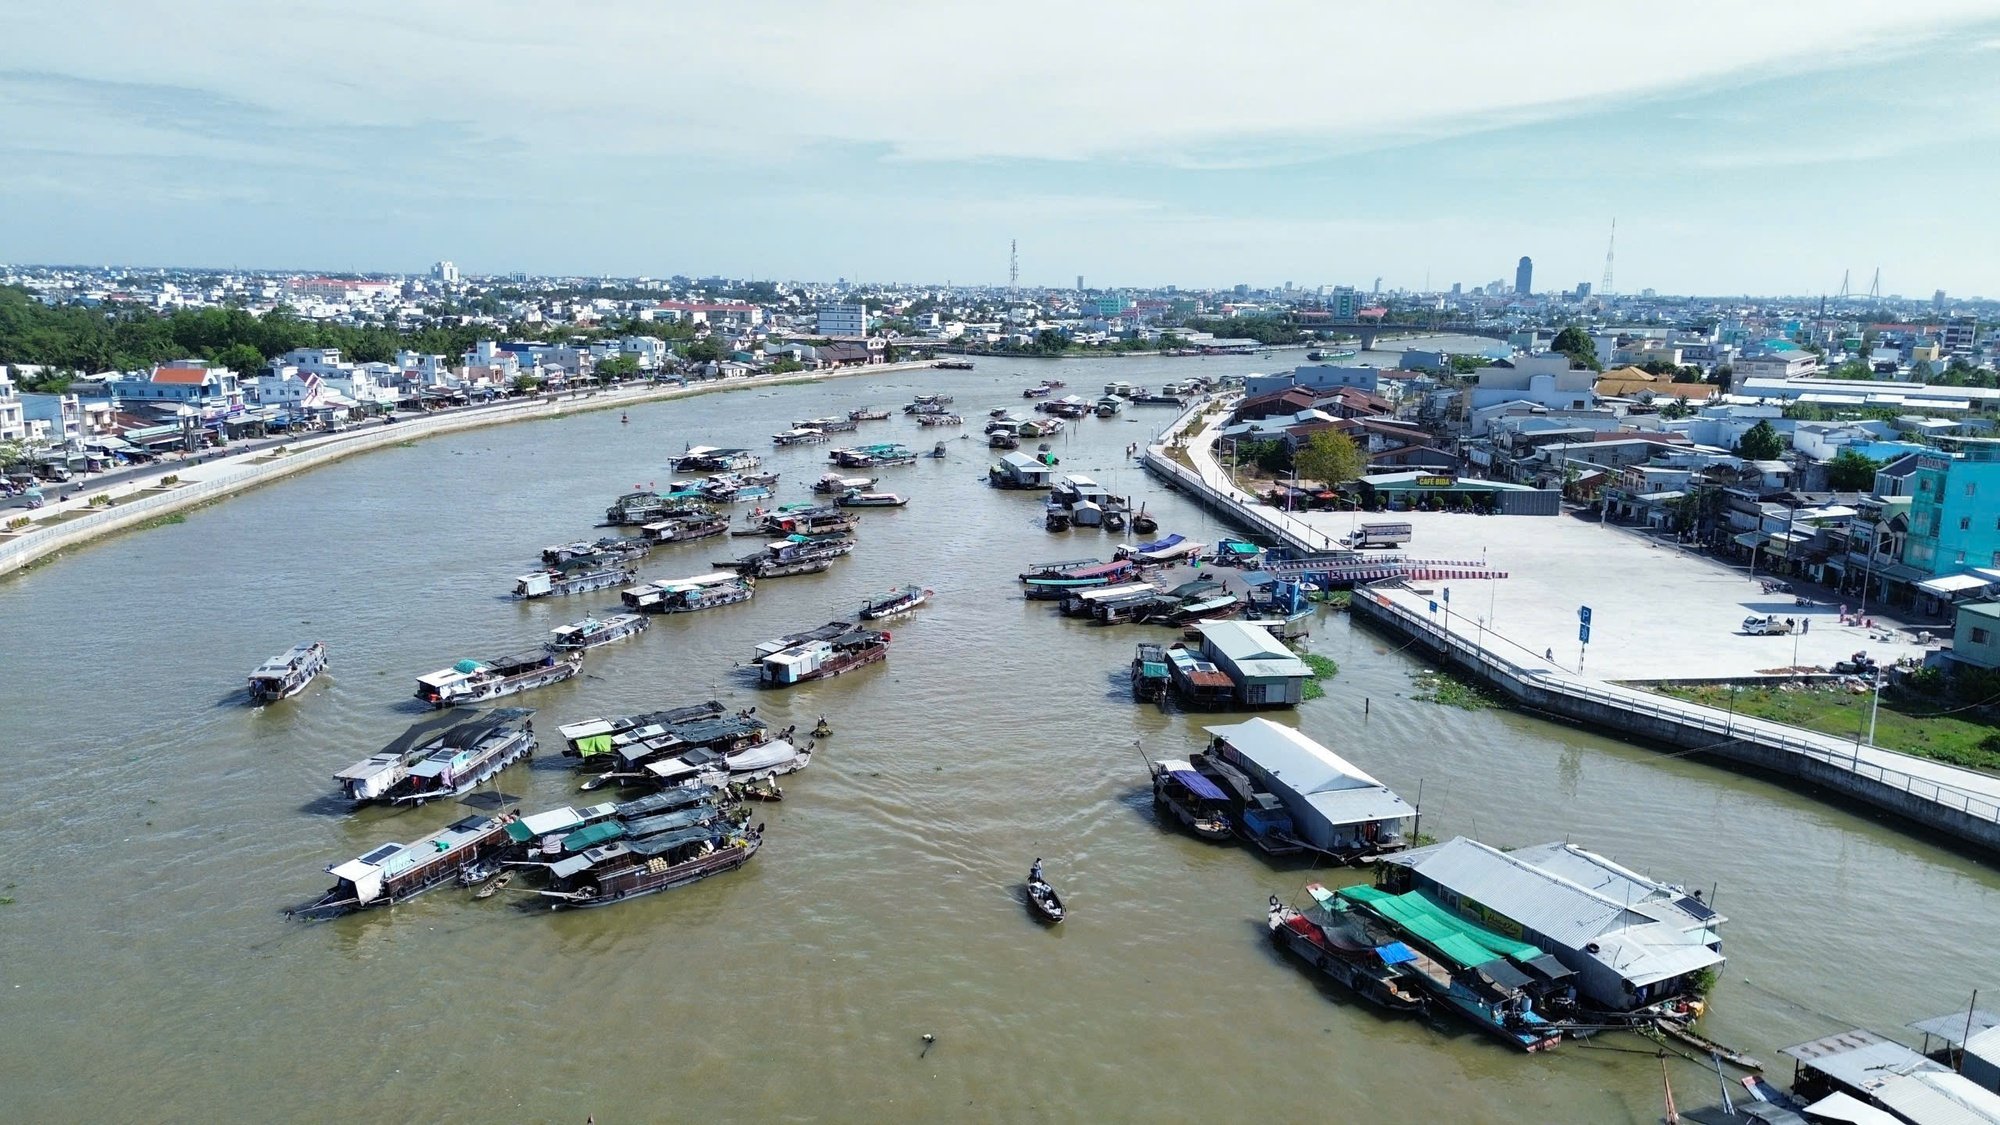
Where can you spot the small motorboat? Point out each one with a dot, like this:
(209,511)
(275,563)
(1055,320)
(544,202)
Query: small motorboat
(855,498)
(763,790)
(1143,523)
(1042,898)
(495,886)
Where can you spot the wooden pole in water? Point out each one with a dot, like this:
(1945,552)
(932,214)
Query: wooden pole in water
(1972,1004)
(1673,1115)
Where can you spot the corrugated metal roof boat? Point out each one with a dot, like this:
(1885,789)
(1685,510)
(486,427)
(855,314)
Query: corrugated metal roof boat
(287,674)
(426,763)
(475,681)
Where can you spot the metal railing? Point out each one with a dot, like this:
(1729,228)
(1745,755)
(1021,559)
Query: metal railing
(1834,752)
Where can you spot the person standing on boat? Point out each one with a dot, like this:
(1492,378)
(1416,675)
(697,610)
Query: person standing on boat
(1035,872)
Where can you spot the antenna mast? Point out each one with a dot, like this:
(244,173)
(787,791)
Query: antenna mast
(1609,248)
(1013,266)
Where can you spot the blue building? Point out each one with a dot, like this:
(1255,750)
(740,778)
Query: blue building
(1955,513)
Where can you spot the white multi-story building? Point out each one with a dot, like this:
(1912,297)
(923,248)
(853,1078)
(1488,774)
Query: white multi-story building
(445,272)
(13,422)
(843,320)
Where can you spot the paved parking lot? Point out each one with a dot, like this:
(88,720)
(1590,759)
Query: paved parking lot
(1656,612)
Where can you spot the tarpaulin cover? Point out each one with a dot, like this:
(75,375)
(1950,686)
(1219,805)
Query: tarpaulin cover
(1197,784)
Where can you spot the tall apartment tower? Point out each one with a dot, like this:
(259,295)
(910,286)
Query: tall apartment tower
(1524,277)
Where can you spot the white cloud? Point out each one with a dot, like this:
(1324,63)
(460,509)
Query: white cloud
(1185,84)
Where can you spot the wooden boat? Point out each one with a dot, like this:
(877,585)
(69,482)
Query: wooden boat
(855,498)
(1149,673)
(685,529)
(475,681)
(625,869)
(287,674)
(1171,549)
(457,762)
(691,595)
(592,632)
(765,790)
(927,402)
(611,548)
(798,437)
(709,459)
(1143,523)
(822,659)
(1191,800)
(940,420)
(1325,937)
(1044,902)
(1678,1030)
(833,425)
(897,603)
(495,886)
(867,414)
(395,873)
(555,582)
(834,483)
(797,554)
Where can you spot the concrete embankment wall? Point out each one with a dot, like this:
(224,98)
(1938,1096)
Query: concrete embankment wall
(149,502)
(1256,519)
(1771,748)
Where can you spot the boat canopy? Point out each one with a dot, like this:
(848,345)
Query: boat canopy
(1461,940)
(668,841)
(1197,784)
(592,835)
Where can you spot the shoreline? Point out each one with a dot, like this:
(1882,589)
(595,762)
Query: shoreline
(72,522)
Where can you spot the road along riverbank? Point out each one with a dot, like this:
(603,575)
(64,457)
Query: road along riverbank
(75,521)
(1960,804)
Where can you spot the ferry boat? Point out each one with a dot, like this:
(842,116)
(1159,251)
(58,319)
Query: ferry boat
(684,529)
(475,681)
(427,764)
(592,632)
(855,498)
(710,459)
(555,582)
(626,869)
(867,414)
(690,595)
(395,873)
(1327,936)
(287,674)
(834,483)
(895,604)
(611,548)
(823,659)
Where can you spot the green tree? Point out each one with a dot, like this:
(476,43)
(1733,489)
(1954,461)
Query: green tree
(1674,408)
(786,365)
(1050,341)
(1761,442)
(1852,369)
(1575,343)
(1850,471)
(1723,376)
(1331,458)
(707,349)
(624,365)
(242,358)
(1922,371)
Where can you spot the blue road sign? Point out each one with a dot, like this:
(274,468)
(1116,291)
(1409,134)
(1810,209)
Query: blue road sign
(1447,595)
(1434,605)
(1583,614)
(1583,633)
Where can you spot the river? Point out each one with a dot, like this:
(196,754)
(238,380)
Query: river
(159,826)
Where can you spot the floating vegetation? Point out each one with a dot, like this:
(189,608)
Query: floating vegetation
(1323,668)
(1438,687)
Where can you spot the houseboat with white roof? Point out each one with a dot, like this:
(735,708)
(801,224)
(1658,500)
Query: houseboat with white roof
(287,674)
(475,681)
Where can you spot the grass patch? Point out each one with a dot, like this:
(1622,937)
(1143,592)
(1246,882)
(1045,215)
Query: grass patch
(167,520)
(1323,668)
(1910,725)
(1439,687)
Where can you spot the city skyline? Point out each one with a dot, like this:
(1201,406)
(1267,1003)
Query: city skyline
(1797,145)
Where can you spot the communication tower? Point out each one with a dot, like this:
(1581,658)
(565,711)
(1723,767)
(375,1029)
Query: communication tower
(1609,248)
(1013,266)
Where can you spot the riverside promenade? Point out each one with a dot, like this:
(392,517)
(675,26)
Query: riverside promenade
(170,486)
(1669,613)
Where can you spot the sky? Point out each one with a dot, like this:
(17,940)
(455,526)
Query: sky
(1762,147)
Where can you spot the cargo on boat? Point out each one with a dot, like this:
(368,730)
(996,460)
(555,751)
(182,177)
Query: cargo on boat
(592,632)
(1337,941)
(558,582)
(395,873)
(1191,800)
(623,869)
(287,674)
(428,762)
(692,594)
(635,508)
(475,681)
(611,548)
(685,529)
(823,657)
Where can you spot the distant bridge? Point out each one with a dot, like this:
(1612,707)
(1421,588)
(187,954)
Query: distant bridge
(1368,328)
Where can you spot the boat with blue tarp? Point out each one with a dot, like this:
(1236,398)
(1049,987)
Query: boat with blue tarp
(1192,800)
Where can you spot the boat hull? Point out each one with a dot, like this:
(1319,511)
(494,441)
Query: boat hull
(1340,967)
(640,882)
